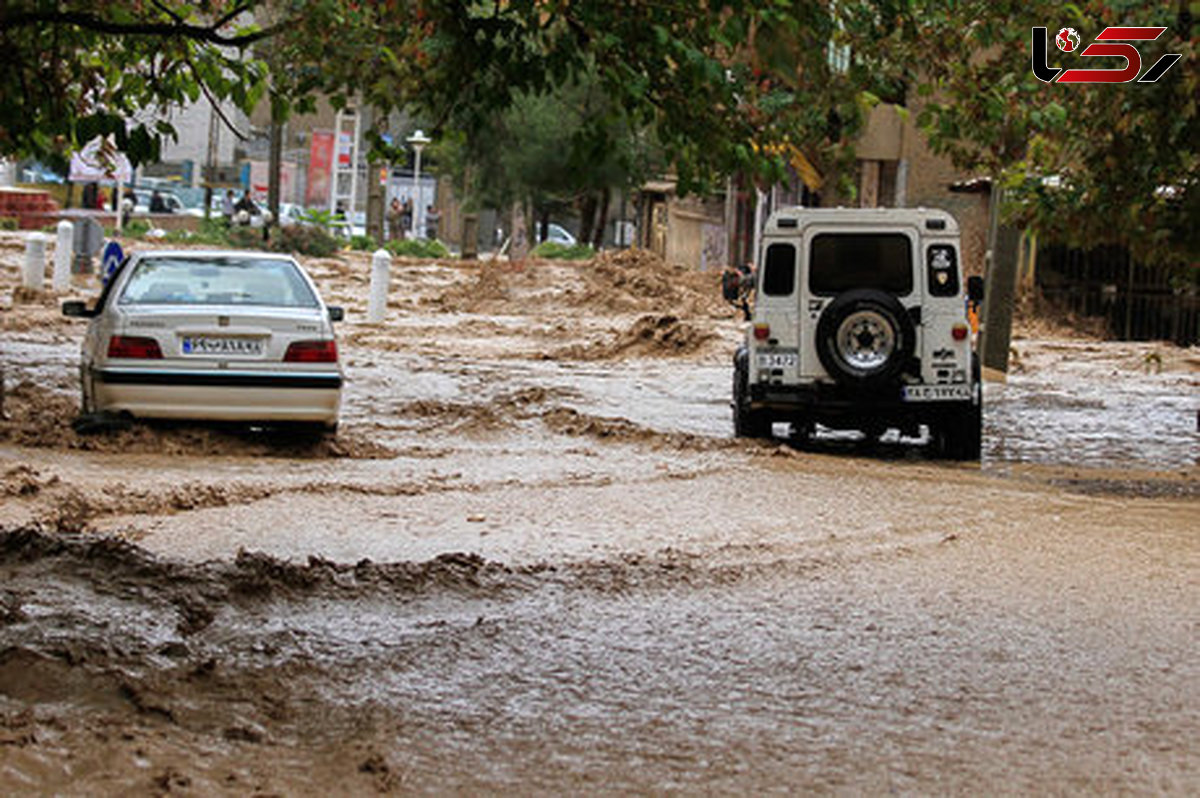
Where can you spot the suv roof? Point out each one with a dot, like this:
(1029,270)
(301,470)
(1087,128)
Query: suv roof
(790,221)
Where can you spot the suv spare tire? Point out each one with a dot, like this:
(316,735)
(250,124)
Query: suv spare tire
(865,338)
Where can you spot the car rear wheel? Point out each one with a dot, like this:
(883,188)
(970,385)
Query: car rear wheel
(864,339)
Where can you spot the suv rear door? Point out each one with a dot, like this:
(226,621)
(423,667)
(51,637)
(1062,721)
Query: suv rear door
(847,257)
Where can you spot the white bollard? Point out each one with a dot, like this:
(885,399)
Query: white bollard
(63,249)
(34,277)
(381,263)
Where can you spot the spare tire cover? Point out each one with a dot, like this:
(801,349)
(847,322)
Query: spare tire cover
(864,338)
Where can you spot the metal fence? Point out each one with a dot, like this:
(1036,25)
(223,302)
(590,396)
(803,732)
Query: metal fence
(1136,302)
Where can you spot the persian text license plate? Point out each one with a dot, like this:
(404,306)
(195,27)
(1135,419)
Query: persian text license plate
(220,345)
(936,393)
(777,360)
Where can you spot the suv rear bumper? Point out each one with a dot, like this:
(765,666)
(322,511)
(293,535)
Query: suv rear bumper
(835,406)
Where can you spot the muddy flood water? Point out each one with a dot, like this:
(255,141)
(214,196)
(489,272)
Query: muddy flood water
(533,560)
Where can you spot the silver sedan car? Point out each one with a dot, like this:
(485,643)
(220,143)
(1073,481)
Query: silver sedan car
(227,336)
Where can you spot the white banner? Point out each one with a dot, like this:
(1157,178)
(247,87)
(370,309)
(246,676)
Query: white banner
(92,165)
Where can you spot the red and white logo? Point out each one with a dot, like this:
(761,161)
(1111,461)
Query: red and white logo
(1067,40)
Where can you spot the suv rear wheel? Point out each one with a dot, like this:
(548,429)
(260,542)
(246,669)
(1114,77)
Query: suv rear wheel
(960,435)
(747,423)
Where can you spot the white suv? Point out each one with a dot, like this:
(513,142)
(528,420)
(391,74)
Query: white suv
(860,323)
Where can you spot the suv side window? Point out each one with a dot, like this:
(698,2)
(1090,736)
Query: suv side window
(942,262)
(779,271)
(844,261)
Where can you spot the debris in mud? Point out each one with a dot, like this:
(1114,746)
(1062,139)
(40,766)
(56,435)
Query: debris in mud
(70,513)
(42,418)
(30,296)
(487,290)
(18,729)
(10,608)
(25,480)
(637,279)
(648,336)
(169,780)
(386,779)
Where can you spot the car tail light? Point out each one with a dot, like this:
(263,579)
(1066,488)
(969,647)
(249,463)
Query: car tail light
(134,347)
(959,331)
(311,352)
(762,332)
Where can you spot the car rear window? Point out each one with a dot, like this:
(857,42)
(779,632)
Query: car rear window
(217,281)
(843,261)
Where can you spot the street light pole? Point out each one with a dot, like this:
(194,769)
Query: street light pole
(418,141)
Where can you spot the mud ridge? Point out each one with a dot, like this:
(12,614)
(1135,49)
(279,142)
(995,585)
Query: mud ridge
(649,336)
(113,564)
(40,418)
(639,280)
(198,593)
(73,509)
(568,421)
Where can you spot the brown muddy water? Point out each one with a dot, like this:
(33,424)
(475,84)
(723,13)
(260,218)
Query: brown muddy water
(534,561)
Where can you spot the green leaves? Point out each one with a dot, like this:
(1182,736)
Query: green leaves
(1122,156)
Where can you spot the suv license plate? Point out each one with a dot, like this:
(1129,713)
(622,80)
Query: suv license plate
(213,345)
(777,360)
(936,393)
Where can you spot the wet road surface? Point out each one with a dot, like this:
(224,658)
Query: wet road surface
(532,575)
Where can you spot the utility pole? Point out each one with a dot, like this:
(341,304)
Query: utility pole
(210,166)
(999,296)
(275,164)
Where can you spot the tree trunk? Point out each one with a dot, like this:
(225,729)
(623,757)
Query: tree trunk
(602,220)
(543,231)
(518,251)
(587,211)
(376,191)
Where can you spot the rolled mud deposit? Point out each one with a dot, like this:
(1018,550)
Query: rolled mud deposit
(649,336)
(41,418)
(568,421)
(639,280)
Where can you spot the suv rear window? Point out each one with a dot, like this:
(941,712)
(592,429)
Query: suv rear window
(843,261)
(779,272)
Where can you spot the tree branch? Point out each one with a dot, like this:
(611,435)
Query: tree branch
(216,105)
(240,8)
(169,12)
(91,22)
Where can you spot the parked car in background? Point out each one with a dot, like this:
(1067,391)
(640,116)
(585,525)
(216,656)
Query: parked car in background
(290,213)
(36,172)
(214,335)
(560,235)
(171,203)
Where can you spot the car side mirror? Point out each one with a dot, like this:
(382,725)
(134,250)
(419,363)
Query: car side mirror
(336,313)
(975,288)
(77,310)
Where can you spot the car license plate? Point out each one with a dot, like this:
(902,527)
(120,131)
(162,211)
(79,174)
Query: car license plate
(777,360)
(222,346)
(936,393)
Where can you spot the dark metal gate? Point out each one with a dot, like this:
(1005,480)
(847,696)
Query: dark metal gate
(1137,303)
